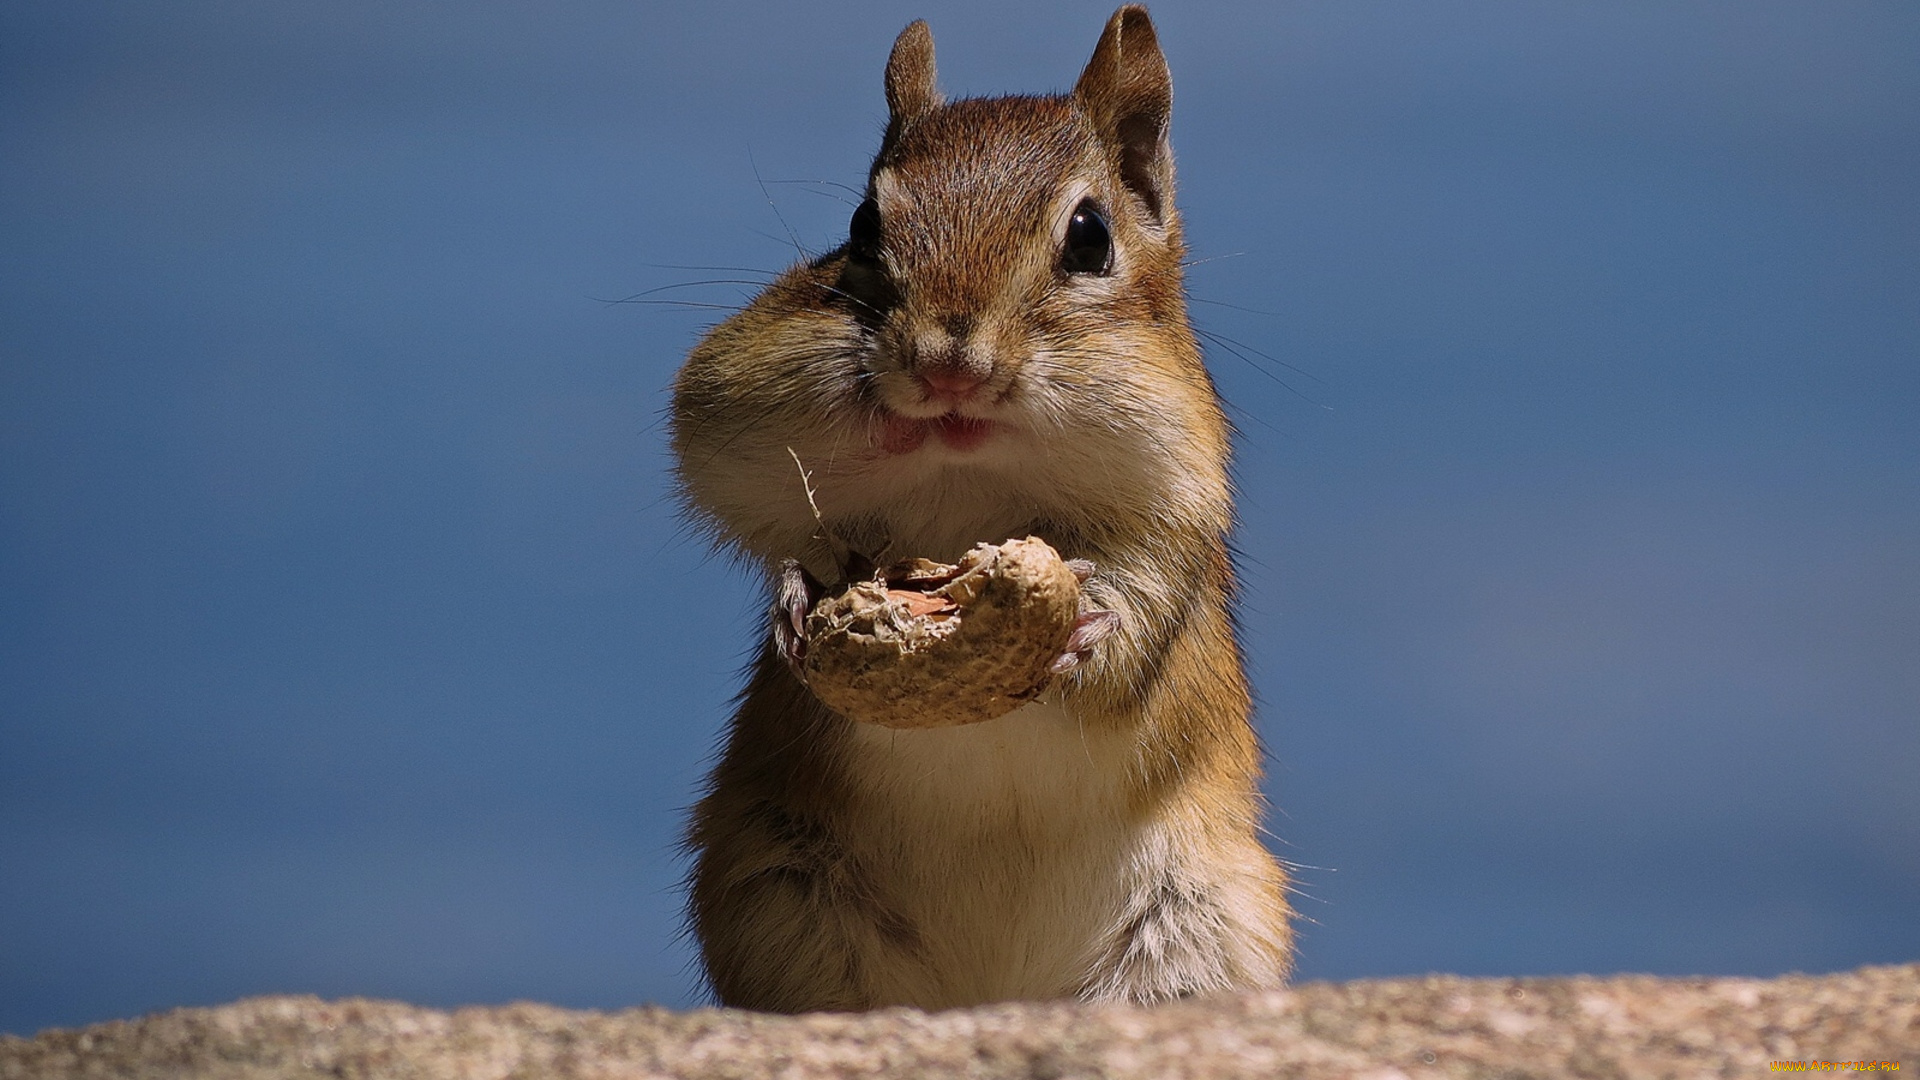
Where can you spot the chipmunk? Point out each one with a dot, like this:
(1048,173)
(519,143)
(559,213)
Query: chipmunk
(1000,349)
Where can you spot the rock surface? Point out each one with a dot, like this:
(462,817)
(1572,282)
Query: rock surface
(1630,1026)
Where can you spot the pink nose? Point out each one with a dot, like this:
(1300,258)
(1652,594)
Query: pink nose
(949,384)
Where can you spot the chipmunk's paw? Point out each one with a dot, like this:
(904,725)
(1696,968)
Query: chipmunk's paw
(1090,628)
(793,598)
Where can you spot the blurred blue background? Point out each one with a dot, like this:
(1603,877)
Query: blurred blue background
(349,643)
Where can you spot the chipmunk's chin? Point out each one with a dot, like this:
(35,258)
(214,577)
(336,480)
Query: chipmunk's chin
(951,431)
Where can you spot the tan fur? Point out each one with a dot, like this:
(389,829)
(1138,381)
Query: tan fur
(1099,842)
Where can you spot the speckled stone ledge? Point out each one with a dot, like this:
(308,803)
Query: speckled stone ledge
(1629,1026)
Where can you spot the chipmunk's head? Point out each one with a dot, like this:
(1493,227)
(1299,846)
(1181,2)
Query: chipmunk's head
(1008,245)
(1002,340)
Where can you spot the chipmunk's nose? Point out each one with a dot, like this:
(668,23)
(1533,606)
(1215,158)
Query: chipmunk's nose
(947,366)
(949,384)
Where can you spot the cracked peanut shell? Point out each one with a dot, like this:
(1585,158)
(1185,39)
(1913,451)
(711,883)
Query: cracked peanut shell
(926,644)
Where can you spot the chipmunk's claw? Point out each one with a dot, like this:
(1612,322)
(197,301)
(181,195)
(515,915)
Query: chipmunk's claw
(793,598)
(1089,630)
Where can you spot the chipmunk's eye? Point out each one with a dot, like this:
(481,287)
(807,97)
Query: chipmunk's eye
(1088,248)
(864,284)
(863,232)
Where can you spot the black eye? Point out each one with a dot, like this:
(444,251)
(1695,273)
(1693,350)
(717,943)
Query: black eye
(863,232)
(1089,249)
(864,284)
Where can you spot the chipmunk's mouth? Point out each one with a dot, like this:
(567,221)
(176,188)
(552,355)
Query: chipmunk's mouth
(905,434)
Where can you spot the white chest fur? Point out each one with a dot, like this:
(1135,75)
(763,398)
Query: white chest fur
(1009,845)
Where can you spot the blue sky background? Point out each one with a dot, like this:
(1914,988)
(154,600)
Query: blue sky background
(348,643)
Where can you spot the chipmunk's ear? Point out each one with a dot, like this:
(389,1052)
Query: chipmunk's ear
(911,93)
(1127,92)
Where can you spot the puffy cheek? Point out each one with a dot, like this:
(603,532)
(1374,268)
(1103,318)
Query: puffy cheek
(1088,385)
